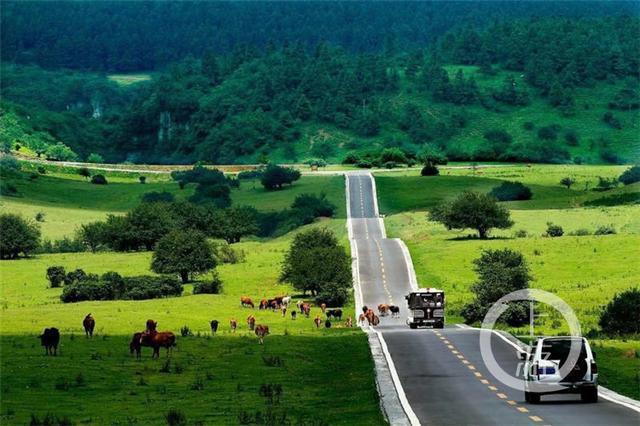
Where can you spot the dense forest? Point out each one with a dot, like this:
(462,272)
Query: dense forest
(549,89)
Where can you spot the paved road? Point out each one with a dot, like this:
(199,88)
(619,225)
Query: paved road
(442,373)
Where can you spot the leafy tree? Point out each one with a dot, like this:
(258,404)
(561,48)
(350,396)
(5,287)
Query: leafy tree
(511,191)
(554,230)
(95,158)
(313,206)
(98,180)
(92,235)
(85,172)
(149,222)
(631,175)
(567,181)
(56,275)
(214,286)
(234,223)
(60,152)
(431,157)
(352,157)
(622,314)
(500,272)
(17,236)
(183,252)
(511,93)
(142,179)
(274,176)
(611,120)
(472,210)
(316,263)
(548,133)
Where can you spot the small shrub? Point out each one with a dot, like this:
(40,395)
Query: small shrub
(185,331)
(364,164)
(56,275)
(175,417)
(511,191)
(580,232)
(98,180)
(567,181)
(390,165)
(571,137)
(605,230)
(8,189)
(42,170)
(214,286)
(142,179)
(548,133)
(611,120)
(631,175)
(351,158)
(223,252)
(622,314)
(554,230)
(429,170)
(521,233)
(39,217)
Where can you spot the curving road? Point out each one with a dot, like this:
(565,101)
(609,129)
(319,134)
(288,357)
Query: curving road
(442,372)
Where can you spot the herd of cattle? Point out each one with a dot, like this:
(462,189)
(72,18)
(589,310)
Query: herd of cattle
(154,339)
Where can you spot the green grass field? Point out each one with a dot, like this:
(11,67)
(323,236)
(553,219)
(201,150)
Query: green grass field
(585,271)
(320,367)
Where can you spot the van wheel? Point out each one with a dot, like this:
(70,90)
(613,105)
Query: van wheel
(532,397)
(589,395)
(413,326)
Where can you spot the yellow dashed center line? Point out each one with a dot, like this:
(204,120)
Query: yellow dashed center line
(493,388)
(522,409)
(501,396)
(512,403)
(535,418)
(478,374)
(484,381)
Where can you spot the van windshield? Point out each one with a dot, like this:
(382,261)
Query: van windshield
(425,300)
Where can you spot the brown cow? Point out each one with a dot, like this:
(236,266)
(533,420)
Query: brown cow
(134,345)
(370,315)
(246,301)
(263,304)
(317,321)
(306,309)
(89,324)
(349,322)
(283,308)
(383,308)
(151,325)
(323,307)
(251,322)
(50,339)
(361,319)
(233,324)
(157,340)
(375,320)
(261,331)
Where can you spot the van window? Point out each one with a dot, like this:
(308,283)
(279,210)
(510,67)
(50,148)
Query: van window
(558,350)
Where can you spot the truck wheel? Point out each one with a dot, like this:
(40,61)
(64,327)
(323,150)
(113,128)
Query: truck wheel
(532,397)
(413,326)
(589,395)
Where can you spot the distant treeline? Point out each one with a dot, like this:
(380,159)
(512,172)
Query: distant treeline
(133,36)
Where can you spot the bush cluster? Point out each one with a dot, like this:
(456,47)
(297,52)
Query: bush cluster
(111,286)
(511,191)
(622,314)
(213,286)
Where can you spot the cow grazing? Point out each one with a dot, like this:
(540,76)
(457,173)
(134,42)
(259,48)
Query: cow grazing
(361,319)
(317,320)
(335,313)
(299,305)
(383,309)
(157,340)
(214,326)
(89,324)
(50,338)
(251,322)
(395,311)
(294,314)
(134,345)
(286,301)
(151,325)
(349,322)
(233,324)
(323,307)
(273,305)
(261,331)
(283,308)
(370,315)
(327,324)
(306,309)
(246,302)
(263,304)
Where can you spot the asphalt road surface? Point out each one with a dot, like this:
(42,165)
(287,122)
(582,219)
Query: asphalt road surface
(442,372)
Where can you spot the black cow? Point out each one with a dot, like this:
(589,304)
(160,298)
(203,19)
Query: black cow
(214,326)
(395,311)
(327,324)
(50,339)
(336,313)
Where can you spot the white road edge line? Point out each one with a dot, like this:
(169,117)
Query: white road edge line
(605,393)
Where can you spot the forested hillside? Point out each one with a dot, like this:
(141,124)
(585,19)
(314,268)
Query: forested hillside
(543,89)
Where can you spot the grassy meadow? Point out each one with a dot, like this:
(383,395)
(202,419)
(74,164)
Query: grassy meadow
(585,271)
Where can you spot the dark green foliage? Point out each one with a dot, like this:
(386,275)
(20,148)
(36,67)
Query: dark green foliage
(142,179)
(431,157)
(274,176)
(429,170)
(554,230)
(351,158)
(250,174)
(500,272)
(60,152)
(213,286)
(311,206)
(511,191)
(498,141)
(95,158)
(175,417)
(567,181)
(56,275)
(98,180)
(155,197)
(627,98)
(631,175)
(234,223)
(17,236)
(75,276)
(472,210)
(622,314)
(611,120)
(9,166)
(512,93)
(183,252)
(92,235)
(149,222)
(548,133)
(111,286)
(63,245)
(527,125)
(571,137)
(605,184)
(317,263)
(212,186)
(605,230)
